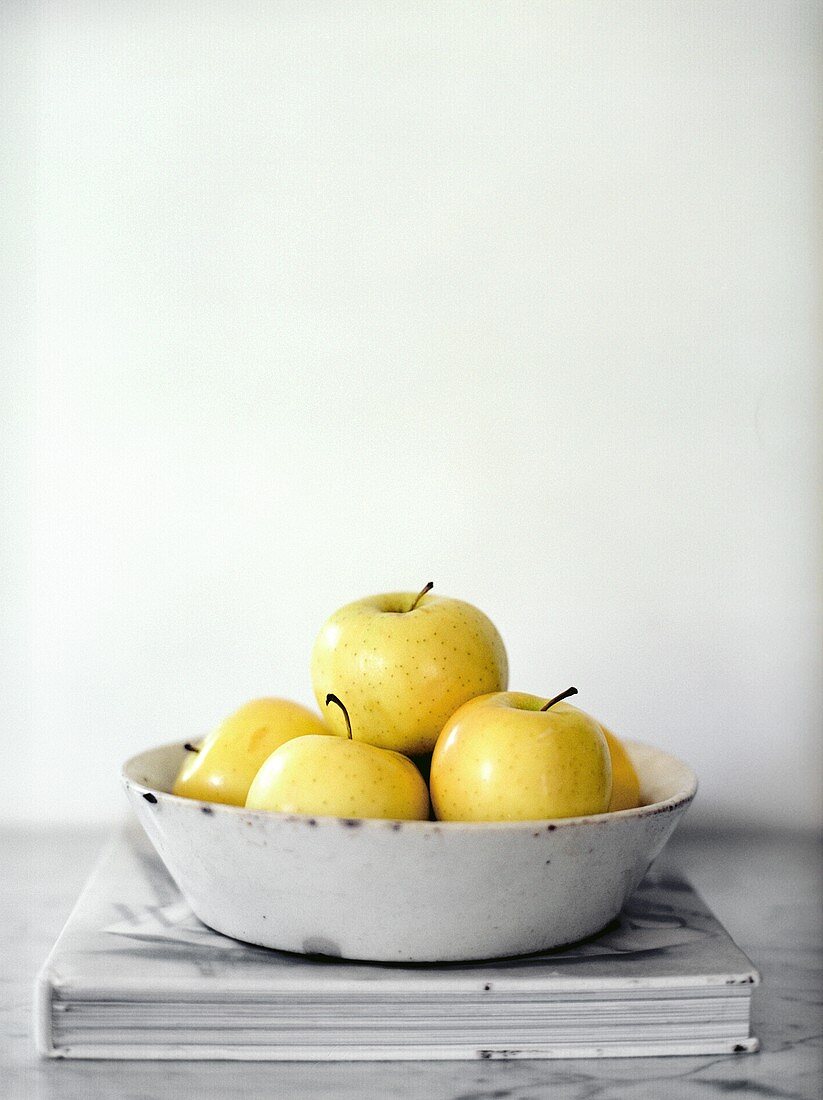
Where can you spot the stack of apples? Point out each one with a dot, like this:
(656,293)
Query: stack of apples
(416,722)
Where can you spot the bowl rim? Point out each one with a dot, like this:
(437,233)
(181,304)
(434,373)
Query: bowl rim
(675,802)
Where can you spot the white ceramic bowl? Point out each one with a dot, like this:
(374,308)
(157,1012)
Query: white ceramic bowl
(411,891)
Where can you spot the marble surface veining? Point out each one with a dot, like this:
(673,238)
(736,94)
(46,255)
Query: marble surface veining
(766,888)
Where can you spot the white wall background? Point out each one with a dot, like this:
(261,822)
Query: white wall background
(304,301)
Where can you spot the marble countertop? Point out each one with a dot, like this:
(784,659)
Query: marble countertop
(765,887)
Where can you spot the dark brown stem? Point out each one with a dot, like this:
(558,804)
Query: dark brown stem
(189,747)
(563,695)
(333,699)
(421,594)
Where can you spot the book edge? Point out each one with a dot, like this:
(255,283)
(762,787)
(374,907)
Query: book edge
(544,1051)
(48,980)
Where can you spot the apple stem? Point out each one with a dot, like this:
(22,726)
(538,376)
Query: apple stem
(189,747)
(421,594)
(563,695)
(333,699)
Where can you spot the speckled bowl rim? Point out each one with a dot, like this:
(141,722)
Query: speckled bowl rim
(675,802)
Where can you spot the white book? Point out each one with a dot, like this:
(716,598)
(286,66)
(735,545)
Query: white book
(134,974)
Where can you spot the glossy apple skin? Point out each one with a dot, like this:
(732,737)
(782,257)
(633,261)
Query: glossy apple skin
(625,781)
(231,755)
(401,672)
(331,776)
(500,758)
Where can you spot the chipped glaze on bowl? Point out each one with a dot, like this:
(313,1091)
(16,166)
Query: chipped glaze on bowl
(405,891)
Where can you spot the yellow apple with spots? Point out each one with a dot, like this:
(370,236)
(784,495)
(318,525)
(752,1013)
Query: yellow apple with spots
(223,766)
(339,777)
(625,781)
(405,662)
(509,756)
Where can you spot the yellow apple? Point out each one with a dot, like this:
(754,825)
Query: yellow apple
(339,777)
(223,767)
(625,781)
(404,663)
(509,756)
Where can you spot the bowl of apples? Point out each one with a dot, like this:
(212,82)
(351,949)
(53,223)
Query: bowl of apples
(424,814)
